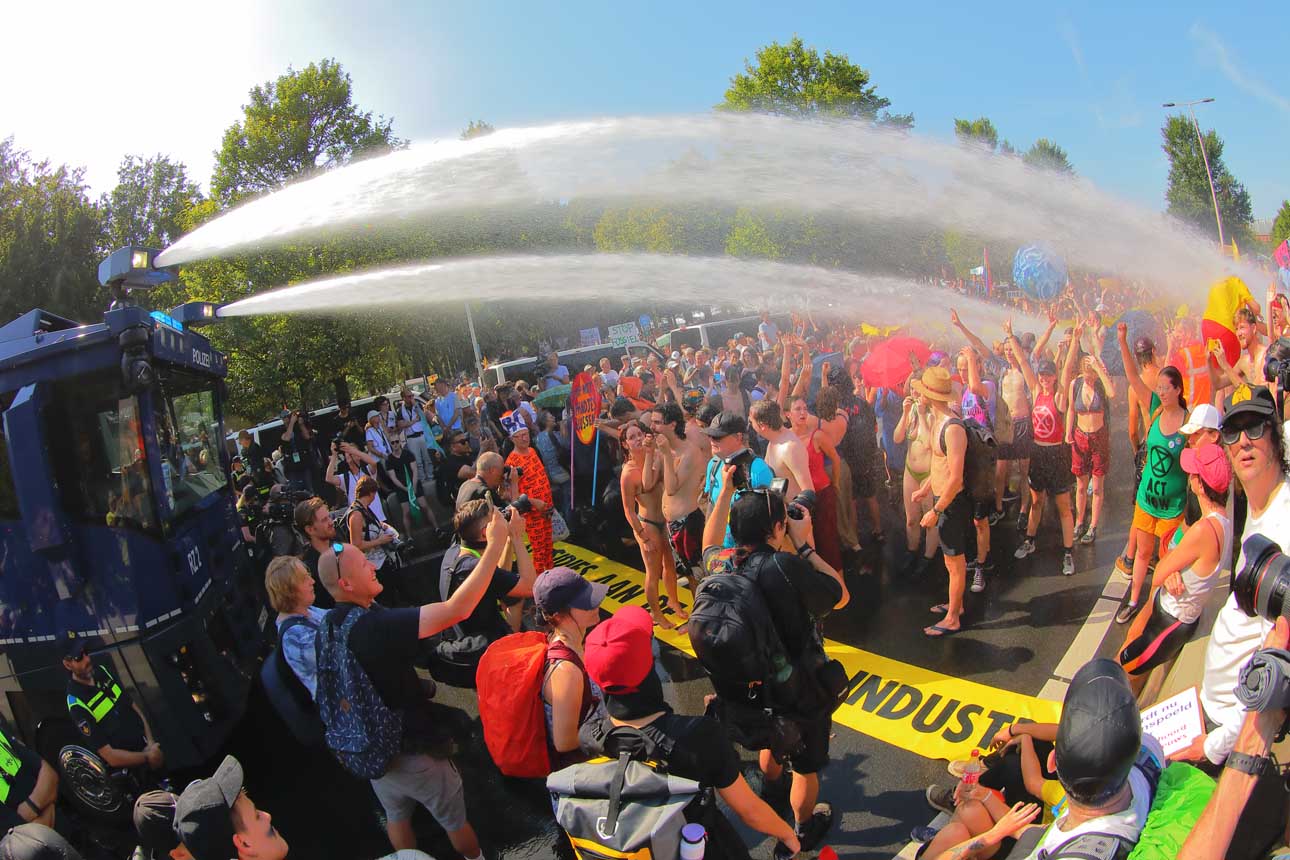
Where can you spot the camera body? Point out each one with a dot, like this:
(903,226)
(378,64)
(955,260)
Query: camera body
(801,504)
(1277,368)
(506,472)
(522,505)
(742,461)
(1262,585)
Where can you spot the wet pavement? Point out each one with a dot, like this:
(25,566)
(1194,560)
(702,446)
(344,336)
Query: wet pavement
(1018,632)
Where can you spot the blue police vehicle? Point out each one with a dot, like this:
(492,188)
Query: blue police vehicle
(118,526)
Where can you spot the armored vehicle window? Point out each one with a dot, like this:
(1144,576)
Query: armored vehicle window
(187,429)
(97,450)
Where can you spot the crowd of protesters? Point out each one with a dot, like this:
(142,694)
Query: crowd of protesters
(757,466)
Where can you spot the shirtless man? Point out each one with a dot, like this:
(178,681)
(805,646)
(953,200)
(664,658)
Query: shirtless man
(785,453)
(951,511)
(1250,365)
(642,490)
(683,460)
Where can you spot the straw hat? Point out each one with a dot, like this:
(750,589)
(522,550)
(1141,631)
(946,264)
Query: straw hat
(935,385)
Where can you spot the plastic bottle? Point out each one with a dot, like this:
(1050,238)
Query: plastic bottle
(972,772)
(694,842)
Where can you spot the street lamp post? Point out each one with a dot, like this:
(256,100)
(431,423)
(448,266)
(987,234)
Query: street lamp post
(1213,195)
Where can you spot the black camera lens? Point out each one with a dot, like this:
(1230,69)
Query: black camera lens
(1262,584)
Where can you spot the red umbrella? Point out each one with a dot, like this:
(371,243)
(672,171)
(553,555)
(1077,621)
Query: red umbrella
(891,362)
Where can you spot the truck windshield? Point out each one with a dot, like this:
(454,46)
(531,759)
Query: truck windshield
(187,425)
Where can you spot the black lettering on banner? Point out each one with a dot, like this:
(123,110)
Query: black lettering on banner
(997,721)
(608,577)
(624,592)
(920,719)
(965,729)
(562,557)
(868,695)
(896,709)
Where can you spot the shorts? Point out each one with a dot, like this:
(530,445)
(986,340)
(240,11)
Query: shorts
(1161,640)
(416,778)
(1091,453)
(1153,525)
(955,527)
(814,754)
(1023,435)
(687,539)
(1050,469)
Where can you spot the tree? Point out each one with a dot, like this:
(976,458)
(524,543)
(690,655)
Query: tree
(1046,155)
(978,132)
(50,239)
(148,203)
(1281,226)
(1188,193)
(794,80)
(303,122)
(477,128)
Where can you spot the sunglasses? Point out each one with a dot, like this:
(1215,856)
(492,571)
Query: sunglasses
(1253,431)
(337,548)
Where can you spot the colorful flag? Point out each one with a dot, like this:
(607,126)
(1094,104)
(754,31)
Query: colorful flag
(1226,297)
(1282,254)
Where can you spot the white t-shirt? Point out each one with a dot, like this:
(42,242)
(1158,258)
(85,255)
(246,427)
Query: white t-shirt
(1235,637)
(1128,823)
(1188,606)
(610,378)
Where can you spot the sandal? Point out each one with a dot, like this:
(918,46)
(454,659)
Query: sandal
(941,632)
(940,608)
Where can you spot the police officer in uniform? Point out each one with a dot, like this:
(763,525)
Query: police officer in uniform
(102,712)
(28,786)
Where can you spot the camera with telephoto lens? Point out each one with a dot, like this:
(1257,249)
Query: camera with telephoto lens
(522,505)
(506,472)
(282,503)
(1263,582)
(741,460)
(802,503)
(1278,368)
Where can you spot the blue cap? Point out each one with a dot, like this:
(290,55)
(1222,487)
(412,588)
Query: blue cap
(563,588)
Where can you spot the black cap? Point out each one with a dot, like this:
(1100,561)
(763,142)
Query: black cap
(1144,346)
(1248,400)
(203,816)
(1100,733)
(74,647)
(35,842)
(726,424)
(1046,367)
(154,823)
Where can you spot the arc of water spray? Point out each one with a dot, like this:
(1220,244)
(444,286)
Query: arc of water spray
(571,278)
(848,169)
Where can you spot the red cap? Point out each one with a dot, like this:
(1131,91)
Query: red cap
(618,654)
(1210,463)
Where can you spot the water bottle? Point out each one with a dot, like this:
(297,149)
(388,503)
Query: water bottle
(694,842)
(972,772)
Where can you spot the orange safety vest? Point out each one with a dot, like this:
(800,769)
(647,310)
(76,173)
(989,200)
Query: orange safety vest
(1193,363)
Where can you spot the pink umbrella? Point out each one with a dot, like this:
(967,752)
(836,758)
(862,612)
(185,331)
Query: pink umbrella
(891,362)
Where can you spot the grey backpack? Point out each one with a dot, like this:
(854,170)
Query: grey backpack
(624,806)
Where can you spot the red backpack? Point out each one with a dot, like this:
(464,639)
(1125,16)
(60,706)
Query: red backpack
(509,684)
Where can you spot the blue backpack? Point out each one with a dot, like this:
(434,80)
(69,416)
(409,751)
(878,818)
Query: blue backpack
(361,730)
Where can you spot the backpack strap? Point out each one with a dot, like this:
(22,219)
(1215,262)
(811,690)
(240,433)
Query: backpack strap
(945,426)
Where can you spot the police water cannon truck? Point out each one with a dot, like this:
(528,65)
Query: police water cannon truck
(118,528)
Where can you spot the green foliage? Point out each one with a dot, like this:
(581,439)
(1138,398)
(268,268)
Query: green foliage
(1046,155)
(750,237)
(50,237)
(979,132)
(1281,226)
(795,80)
(303,122)
(1188,193)
(477,128)
(149,202)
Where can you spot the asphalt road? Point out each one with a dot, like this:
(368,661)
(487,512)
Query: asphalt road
(1019,631)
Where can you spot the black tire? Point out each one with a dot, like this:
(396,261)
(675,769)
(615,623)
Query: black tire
(89,784)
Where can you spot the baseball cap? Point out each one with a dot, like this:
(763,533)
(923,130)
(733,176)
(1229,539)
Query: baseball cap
(154,822)
(1100,732)
(373,414)
(1248,400)
(1210,463)
(1203,417)
(1046,367)
(36,842)
(202,813)
(725,424)
(74,647)
(1143,345)
(563,588)
(617,654)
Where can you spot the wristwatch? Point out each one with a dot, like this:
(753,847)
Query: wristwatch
(805,550)
(1254,765)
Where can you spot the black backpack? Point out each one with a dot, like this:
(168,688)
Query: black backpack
(734,636)
(979,459)
(342,525)
(288,695)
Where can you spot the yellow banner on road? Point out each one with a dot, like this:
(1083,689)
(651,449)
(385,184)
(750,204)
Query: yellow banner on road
(916,709)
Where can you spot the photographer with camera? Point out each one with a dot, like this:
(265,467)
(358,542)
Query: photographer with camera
(297,449)
(796,591)
(728,436)
(375,538)
(493,480)
(348,465)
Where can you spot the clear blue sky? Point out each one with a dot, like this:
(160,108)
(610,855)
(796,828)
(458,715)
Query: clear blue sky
(1092,78)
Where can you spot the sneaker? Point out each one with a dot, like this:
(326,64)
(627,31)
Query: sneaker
(1080,530)
(1026,548)
(813,831)
(1124,565)
(1023,521)
(1068,564)
(940,797)
(923,833)
(1125,613)
(978,578)
(995,517)
(1089,536)
(920,566)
